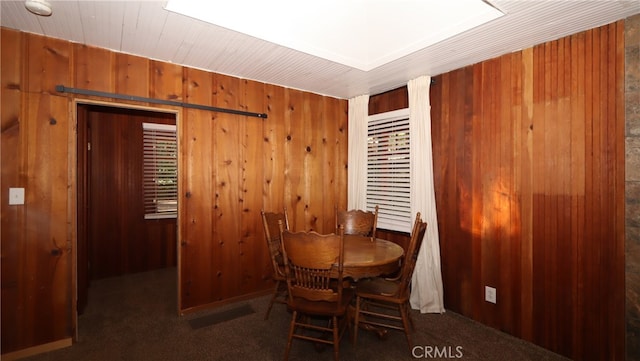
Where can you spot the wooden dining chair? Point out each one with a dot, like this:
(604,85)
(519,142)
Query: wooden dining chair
(272,235)
(357,222)
(314,268)
(384,302)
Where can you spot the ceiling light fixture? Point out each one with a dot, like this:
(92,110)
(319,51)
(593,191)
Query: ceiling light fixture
(38,7)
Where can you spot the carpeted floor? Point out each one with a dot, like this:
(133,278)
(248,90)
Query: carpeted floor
(135,318)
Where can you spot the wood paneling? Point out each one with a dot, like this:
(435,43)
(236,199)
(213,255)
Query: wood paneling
(36,275)
(131,75)
(13,148)
(94,68)
(196,205)
(47,64)
(527,147)
(230,167)
(255,275)
(529,171)
(388,101)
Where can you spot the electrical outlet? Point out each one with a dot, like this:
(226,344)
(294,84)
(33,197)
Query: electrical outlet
(490,294)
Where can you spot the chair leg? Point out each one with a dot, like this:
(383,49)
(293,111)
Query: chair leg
(356,320)
(413,327)
(336,338)
(406,320)
(273,299)
(349,320)
(290,338)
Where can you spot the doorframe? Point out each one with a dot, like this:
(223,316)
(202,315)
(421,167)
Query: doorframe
(76,195)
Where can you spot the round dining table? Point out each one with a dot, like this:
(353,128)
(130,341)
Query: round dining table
(367,257)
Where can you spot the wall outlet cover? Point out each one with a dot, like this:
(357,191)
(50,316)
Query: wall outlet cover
(490,294)
(16,196)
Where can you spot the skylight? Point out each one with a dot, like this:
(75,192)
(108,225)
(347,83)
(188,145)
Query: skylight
(358,33)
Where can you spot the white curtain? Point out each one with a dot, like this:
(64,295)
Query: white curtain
(426,284)
(357,156)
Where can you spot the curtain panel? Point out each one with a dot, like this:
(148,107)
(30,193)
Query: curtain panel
(426,285)
(357,154)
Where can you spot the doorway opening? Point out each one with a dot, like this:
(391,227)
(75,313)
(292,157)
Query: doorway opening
(115,239)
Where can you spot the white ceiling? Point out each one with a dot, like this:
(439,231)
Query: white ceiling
(147,29)
(348,32)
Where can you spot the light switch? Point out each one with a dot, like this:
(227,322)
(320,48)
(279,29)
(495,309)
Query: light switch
(16,196)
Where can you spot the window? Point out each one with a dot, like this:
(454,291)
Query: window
(160,178)
(388,169)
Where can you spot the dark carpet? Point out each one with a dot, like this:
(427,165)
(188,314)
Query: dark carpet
(135,318)
(222,316)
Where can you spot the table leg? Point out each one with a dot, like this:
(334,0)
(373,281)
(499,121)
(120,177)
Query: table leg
(381,332)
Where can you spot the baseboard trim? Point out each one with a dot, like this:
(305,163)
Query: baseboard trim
(35,350)
(213,305)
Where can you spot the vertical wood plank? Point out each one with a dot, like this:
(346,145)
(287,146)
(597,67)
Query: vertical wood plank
(12,60)
(479,132)
(565,250)
(228,158)
(94,68)
(255,251)
(47,64)
(13,157)
(329,156)
(588,236)
(313,165)
(165,81)
(489,248)
(591,251)
(46,292)
(539,271)
(340,127)
(526,194)
(577,182)
(198,251)
(274,154)
(508,224)
(131,75)
(295,151)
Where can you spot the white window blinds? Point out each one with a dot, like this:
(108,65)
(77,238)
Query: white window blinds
(388,169)
(160,178)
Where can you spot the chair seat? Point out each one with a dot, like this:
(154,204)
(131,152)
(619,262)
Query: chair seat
(380,289)
(324,308)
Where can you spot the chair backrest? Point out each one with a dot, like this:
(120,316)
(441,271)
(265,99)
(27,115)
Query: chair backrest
(411,257)
(357,222)
(313,264)
(272,235)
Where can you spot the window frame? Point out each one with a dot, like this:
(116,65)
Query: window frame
(394,201)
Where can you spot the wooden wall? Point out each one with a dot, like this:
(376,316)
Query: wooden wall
(529,160)
(230,167)
(36,243)
(529,178)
